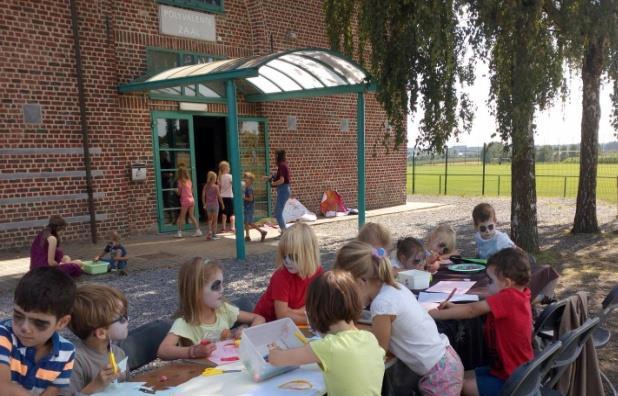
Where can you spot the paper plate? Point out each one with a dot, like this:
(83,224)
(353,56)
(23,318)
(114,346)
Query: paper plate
(466,267)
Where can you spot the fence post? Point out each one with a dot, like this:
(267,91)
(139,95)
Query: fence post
(445,170)
(483,182)
(565,183)
(498,185)
(414,171)
(439,184)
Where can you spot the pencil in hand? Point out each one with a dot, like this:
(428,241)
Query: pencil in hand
(443,303)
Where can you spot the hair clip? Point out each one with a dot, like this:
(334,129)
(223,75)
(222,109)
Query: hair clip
(378,253)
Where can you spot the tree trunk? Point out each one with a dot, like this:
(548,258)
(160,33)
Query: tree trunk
(586,211)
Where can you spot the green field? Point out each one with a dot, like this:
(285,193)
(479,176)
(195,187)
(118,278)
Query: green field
(553,179)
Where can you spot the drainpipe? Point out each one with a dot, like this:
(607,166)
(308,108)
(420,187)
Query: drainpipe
(82,117)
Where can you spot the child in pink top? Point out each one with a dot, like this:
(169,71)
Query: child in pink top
(187,203)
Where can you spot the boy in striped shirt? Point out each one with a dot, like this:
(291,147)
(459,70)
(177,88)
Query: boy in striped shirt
(34,358)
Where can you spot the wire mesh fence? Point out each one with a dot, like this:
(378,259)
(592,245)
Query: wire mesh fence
(486,170)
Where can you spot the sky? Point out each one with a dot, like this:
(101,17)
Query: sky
(559,124)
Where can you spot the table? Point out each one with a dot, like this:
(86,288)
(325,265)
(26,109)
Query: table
(177,372)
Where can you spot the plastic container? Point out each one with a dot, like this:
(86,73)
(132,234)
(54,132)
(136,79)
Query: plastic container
(95,267)
(414,279)
(254,347)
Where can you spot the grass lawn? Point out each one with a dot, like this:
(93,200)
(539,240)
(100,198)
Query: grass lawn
(553,179)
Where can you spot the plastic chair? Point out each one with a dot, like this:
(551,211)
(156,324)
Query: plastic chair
(526,379)
(547,324)
(601,335)
(572,344)
(143,342)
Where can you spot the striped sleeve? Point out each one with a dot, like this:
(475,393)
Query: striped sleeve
(6,345)
(64,378)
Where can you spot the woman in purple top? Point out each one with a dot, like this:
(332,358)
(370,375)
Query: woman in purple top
(281,180)
(45,250)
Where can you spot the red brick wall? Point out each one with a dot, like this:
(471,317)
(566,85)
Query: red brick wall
(38,66)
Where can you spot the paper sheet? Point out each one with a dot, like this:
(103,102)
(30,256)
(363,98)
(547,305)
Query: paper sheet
(226,353)
(448,286)
(121,389)
(439,297)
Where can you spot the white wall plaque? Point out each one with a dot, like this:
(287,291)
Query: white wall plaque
(186,23)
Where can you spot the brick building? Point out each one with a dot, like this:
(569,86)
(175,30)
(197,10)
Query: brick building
(42,164)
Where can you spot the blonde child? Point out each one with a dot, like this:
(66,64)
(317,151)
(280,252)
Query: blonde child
(441,243)
(298,261)
(225,183)
(399,322)
(249,206)
(376,235)
(508,327)
(99,320)
(351,360)
(212,201)
(187,203)
(488,239)
(203,316)
(117,254)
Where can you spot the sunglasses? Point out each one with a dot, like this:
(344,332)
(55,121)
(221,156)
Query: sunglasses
(122,319)
(216,286)
(490,227)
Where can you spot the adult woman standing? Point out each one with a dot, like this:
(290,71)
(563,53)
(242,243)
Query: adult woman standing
(45,250)
(281,180)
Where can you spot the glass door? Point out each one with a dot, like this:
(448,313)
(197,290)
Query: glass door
(173,146)
(254,157)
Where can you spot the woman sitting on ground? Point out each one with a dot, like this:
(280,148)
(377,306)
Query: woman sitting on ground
(45,250)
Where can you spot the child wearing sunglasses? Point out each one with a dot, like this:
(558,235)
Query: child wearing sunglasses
(99,321)
(488,239)
(203,317)
(34,358)
(410,254)
(298,260)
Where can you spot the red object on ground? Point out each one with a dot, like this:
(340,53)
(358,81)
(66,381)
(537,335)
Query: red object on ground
(163,378)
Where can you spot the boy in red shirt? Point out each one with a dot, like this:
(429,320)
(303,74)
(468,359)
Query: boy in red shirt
(508,328)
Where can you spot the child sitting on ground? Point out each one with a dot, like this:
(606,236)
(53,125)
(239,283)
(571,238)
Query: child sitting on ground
(203,317)
(376,235)
(298,261)
(117,254)
(249,205)
(34,358)
(400,323)
(410,254)
(351,360)
(99,320)
(488,239)
(508,327)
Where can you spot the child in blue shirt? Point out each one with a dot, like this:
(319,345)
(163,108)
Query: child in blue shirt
(117,254)
(488,239)
(34,358)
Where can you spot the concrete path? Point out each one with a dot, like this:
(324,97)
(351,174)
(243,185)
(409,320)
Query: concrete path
(156,250)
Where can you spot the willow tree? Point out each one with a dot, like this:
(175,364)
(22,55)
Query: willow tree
(589,33)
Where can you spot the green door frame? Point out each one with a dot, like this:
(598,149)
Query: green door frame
(157,162)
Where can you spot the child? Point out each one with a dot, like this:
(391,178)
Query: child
(99,319)
(225,182)
(399,322)
(298,259)
(410,254)
(203,317)
(376,235)
(351,360)
(34,358)
(249,204)
(508,327)
(117,254)
(441,243)
(211,199)
(488,239)
(185,191)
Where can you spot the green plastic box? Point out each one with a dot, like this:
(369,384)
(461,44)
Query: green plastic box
(95,267)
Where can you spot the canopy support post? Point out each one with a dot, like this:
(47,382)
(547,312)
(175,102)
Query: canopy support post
(234,153)
(360,147)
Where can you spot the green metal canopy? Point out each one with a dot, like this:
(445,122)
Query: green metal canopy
(298,73)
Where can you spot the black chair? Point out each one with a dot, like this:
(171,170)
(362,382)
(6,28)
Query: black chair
(601,335)
(527,379)
(143,342)
(547,324)
(572,344)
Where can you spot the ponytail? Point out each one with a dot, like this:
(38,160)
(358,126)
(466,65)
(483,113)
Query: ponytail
(363,261)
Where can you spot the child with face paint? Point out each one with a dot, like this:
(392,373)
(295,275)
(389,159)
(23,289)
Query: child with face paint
(488,239)
(410,254)
(100,321)
(203,317)
(298,259)
(508,327)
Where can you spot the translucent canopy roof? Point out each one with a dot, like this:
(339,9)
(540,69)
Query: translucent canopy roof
(282,75)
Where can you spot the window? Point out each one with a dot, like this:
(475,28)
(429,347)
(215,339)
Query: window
(202,5)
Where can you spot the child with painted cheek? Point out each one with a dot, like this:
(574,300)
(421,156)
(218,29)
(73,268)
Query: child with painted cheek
(203,316)
(488,239)
(441,243)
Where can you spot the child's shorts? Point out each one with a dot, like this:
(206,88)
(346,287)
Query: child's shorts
(487,384)
(445,378)
(212,209)
(186,202)
(229,206)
